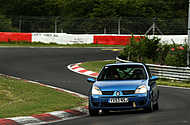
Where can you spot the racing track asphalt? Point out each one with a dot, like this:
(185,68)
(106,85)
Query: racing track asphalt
(50,66)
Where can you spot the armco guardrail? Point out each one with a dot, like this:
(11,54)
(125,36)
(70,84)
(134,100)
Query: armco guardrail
(168,72)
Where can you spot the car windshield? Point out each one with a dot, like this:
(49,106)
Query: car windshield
(122,72)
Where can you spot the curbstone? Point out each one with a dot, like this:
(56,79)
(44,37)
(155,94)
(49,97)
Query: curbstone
(76,68)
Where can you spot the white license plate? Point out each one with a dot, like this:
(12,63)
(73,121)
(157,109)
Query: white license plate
(118,100)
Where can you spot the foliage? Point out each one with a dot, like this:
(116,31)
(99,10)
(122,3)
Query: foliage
(177,56)
(96,8)
(102,9)
(31,7)
(6,24)
(151,51)
(143,50)
(162,53)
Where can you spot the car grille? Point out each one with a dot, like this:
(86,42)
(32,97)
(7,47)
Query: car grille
(127,92)
(107,92)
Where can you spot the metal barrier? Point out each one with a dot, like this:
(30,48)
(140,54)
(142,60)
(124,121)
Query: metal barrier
(168,72)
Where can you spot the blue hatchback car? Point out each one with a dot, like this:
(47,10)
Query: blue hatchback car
(123,86)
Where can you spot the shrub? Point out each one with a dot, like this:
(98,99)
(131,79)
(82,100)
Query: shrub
(177,56)
(149,48)
(162,53)
(141,50)
(151,51)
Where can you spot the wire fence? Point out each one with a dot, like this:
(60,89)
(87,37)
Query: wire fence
(120,25)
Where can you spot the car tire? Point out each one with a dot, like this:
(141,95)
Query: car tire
(149,108)
(93,112)
(156,106)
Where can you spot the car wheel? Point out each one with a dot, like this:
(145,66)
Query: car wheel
(149,108)
(156,106)
(93,112)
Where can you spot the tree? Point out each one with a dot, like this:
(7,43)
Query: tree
(6,24)
(32,7)
(105,13)
(77,8)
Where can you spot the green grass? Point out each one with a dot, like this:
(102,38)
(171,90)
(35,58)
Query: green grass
(39,44)
(19,98)
(96,66)
(174,83)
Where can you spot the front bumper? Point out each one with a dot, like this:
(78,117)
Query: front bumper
(134,102)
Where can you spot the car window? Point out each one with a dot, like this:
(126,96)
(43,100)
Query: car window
(123,72)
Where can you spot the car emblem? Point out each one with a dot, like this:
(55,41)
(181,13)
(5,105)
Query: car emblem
(117,93)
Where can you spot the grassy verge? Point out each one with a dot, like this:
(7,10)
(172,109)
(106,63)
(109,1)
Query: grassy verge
(19,98)
(39,44)
(97,65)
(174,83)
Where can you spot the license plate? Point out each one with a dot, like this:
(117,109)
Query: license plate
(118,100)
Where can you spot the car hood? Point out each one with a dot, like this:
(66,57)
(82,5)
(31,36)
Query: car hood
(113,85)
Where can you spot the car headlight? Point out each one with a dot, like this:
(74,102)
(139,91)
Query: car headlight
(96,91)
(141,89)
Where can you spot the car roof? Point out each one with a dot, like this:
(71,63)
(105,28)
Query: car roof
(130,63)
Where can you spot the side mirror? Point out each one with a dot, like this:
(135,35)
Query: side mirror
(91,80)
(154,78)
